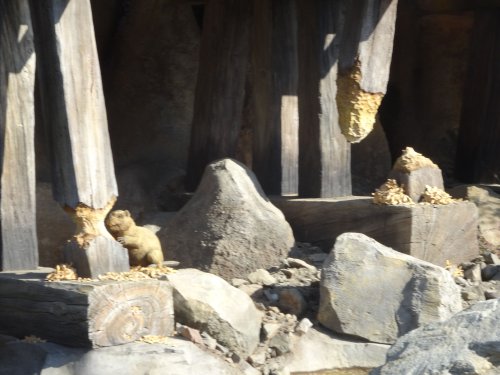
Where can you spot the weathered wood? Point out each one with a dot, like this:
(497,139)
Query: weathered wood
(84,314)
(324,153)
(75,118)
(479,134)
(220,89)
(18,245)
(428,232)
(274,79)
(364,64)
(73,103)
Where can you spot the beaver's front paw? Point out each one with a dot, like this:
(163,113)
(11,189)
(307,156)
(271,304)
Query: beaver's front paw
(121,240)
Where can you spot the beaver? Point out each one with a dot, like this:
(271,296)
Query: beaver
(143,245)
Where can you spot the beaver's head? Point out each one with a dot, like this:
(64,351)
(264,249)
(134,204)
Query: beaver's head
(119,221)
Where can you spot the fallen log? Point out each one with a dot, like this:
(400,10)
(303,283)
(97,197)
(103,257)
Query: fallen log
(84,314)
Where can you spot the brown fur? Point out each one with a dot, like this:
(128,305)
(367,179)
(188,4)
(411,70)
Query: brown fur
(143,245)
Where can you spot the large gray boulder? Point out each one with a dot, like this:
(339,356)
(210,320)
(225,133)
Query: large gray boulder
(175,357)
(467,343)
(208,303)
(371,291)
(229,227)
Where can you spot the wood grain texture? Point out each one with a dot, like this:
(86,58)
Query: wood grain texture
(274,79)
(73,103)
(220,88)
(84,314)
(19,247)
(479,134)
(431,233)
(324,153)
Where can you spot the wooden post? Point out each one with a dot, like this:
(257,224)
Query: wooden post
(274,78)
(345,49)
(479,134)
(324,153)
(220,90)
(75,118)
(18,245)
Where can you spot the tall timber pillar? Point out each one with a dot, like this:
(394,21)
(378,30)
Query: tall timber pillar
(75,119)
(220,89)
(18,241)
(345,50)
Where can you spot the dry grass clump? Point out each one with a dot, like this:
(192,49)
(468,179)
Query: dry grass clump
(390,193)
(435,195)
(64,272)
(456,271)
(410,160)
(154,339)
(32,339)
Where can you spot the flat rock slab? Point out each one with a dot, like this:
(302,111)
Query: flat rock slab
(371,291)
(434,233)
(320,351)
(467,343)
(84,314)
(174,357)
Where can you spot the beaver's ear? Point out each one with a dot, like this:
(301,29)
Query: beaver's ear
(127,212)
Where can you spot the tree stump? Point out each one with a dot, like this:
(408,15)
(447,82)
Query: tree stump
(84,314)
(73,111)
(18,240)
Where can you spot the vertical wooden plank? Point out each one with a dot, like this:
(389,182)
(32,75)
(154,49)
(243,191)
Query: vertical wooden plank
(75,118)
(324,153)
(73,104)
(479,134)
(274,76)
(220,89)
(18,247)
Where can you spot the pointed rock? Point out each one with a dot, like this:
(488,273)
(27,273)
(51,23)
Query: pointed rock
(229,227)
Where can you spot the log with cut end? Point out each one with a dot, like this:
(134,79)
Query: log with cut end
(84,314)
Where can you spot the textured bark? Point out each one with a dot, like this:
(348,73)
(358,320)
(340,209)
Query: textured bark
(90,314)
(274,78)
(479,135)
(18,245)
(220,90)
(324,153)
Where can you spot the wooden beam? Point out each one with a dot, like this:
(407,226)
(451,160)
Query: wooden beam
(324,153)
(274,79)
(220,90)
(75,118)
(479,133)
(84,314)
(18,245)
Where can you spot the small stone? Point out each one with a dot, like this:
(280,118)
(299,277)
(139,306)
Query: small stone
(235,358)
(492,294)
(492,258)
(473,273)
(222,349)
(258,358)
(288,272)
(292,301)
(262,277)
(238,282)
(473,293)
(317,258)
(280,343)
(299,263)
(208,340)
(191,334)
(247,369)
(489,272)
(303,326)
(270,329)
(274,309)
